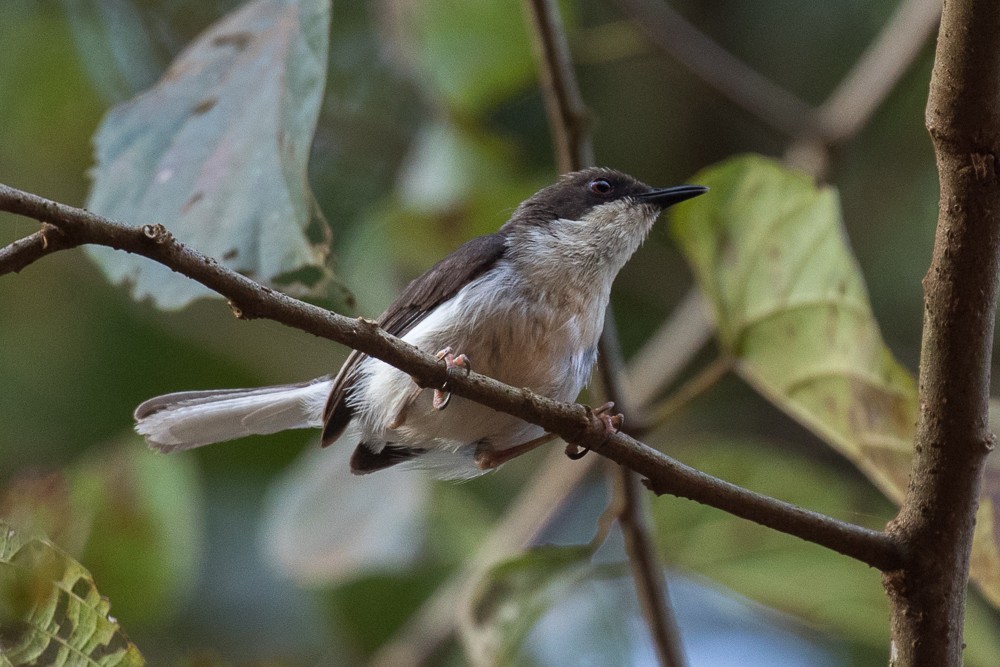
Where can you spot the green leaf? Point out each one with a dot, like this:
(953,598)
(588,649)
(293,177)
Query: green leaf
(510,598)
(51,612)
(217,152)
(769,250)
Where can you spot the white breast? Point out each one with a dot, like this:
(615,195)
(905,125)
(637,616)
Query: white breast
(516,337)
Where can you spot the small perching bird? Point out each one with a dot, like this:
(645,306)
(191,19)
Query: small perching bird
(525,305)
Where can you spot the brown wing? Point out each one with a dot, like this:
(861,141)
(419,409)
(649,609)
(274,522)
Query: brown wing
(420,297)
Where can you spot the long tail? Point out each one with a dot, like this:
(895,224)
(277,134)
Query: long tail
(190,419)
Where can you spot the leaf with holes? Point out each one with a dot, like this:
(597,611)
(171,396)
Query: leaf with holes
(217,152)
(51,612)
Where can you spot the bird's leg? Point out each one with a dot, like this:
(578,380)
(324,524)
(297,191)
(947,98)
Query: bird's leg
(442,396)
(612,424)
(487,459)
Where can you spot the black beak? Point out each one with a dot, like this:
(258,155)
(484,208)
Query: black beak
(664,197)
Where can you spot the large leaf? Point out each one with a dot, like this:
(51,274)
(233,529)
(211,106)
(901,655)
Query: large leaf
(51,612)
(217,151)
(768,249)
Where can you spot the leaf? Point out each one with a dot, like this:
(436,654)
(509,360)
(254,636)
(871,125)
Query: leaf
(51,612)
(324,525)
(510,598)
(118,44)
(769,250)
(217,152)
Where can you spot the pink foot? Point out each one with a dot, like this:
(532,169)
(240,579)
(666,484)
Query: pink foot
(451,360)
(612,424)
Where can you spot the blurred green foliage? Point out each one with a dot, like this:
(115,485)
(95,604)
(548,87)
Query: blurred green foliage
(431,130)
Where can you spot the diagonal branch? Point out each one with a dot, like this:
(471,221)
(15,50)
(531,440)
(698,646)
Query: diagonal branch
(30,249)
(876,73)
(573,422)
(741,84)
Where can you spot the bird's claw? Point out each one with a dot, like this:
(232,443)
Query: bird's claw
(442,396)
(612,424)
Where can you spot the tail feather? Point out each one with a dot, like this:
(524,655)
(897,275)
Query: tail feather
(189,419)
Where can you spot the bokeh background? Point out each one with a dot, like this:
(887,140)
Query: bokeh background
(431,131)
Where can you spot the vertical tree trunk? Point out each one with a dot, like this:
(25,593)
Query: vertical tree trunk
(936,522)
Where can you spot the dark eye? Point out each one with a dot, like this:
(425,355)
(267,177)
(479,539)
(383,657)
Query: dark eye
(600,187)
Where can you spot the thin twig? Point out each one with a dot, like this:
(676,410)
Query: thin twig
(573,146)
(533,509)
(667,351)
(23,252)
(876,73)
(706,378)
(647,572)
(563,103)
(730,76)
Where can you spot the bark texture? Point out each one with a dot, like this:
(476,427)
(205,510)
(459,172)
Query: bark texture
(936,523)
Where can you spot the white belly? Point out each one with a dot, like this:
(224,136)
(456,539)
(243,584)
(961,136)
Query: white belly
(518,341)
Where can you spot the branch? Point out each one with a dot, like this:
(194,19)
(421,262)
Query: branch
(567,116)
(573,422)
(568,119)
(23,252)
(730,76)
(953,438)
(647,571)
(533,509)
(873,77)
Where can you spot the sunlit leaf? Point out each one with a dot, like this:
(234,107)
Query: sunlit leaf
(768,249)
(51,612)
(217,152)
(325,525)
(510,598)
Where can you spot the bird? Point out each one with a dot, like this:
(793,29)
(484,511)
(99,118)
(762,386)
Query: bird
(525,304)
